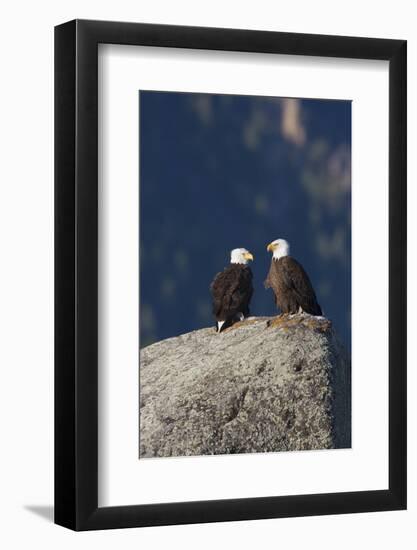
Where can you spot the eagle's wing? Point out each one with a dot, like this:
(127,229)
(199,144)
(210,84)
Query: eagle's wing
(231,289)
(297,280)
(217,288)
(239,291)
(244,291)
(215,281)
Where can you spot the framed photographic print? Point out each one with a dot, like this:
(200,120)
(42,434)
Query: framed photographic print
(230,244)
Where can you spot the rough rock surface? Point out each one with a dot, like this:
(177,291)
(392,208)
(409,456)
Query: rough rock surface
(266,384)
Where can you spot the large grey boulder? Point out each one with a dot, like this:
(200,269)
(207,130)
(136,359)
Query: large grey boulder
(266,384)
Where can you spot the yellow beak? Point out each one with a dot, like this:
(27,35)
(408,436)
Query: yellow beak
(248,256)
(270,247)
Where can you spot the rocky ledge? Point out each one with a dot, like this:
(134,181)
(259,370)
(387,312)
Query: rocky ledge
(263,385)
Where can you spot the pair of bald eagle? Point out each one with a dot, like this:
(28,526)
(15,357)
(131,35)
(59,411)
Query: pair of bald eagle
(232,289)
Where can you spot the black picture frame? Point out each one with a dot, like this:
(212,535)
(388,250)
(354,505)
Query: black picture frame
(76,272)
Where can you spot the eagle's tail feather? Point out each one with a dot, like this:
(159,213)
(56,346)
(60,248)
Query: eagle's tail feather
(220,325)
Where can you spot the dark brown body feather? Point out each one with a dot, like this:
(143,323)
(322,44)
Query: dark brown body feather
(292,287)
(232,291)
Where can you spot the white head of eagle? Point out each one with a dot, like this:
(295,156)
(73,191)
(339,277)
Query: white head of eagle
(240,256)
(279,248)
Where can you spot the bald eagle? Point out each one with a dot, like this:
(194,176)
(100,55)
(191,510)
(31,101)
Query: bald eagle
(232,290)
(293,290)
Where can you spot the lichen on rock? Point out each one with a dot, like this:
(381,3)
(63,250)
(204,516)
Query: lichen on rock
(263,385)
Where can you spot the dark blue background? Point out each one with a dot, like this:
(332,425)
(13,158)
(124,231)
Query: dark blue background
(219,172)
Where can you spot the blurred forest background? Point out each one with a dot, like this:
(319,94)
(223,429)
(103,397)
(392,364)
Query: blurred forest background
(219,172)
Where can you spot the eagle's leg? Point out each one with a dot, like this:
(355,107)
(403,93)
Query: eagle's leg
(278,320)
(295,312)
(283,315)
